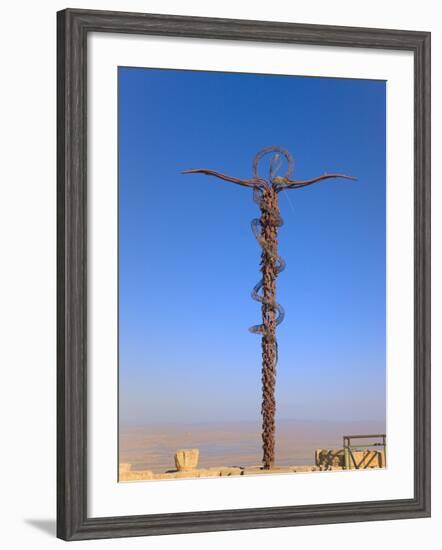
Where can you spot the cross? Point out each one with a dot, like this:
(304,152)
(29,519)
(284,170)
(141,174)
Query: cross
(265,229)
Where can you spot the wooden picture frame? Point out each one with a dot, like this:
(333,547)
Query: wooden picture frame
(74,25)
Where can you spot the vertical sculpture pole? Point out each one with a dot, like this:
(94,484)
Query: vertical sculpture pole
(269,222)
(265,229)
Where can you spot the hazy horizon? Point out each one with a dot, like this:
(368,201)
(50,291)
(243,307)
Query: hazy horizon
(152,423)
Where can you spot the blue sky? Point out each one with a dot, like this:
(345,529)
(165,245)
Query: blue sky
(188,259)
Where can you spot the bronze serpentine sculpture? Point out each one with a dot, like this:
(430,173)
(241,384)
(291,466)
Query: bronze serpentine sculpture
(265,228)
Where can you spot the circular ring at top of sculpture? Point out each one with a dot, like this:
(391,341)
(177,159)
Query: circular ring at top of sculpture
(275,162)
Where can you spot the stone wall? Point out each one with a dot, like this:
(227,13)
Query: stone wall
(127,474)
(186,462)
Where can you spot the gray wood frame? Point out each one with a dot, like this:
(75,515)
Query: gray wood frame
(73,522)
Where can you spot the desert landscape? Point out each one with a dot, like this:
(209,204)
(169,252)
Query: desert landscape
(148,452)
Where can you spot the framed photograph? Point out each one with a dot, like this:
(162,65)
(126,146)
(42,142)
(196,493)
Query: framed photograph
(243,274)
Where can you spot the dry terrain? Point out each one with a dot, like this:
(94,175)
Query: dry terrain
(152,447)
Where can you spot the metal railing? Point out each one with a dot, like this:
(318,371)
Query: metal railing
(349,448)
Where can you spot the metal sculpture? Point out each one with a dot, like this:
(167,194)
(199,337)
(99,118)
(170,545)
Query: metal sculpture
(265,228)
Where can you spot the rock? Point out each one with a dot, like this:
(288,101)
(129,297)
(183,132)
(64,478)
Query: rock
(207,472)
(136,475)
(258,470)
(301,469)
(186,459)
(174,475)
(326,459)
(230,471)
